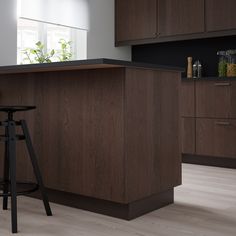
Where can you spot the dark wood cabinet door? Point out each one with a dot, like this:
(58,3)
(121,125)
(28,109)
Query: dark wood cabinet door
(170,134)
(220,15)
(152,134)
(177,17)
(213,99)
(135,19)
(216,137)
(187,96)
(188,135)
(233,100)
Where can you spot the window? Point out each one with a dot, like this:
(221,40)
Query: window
(29,32)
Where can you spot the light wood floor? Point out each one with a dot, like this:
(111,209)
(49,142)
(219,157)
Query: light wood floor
(205,205)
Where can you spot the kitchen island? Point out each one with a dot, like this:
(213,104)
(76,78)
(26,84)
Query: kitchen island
(106,132)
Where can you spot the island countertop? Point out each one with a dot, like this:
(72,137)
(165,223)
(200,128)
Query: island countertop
(81,65)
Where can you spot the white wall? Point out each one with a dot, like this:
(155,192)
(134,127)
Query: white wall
(8,32)
(101,36)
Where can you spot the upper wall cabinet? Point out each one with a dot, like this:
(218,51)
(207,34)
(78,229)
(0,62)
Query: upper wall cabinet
(178,17)
(135,19)
(220,15)
(153,21)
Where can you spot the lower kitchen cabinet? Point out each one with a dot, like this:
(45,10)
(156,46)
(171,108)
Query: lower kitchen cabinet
(188,135)
(216,137)
(187,99)
(216,99)
(208,122)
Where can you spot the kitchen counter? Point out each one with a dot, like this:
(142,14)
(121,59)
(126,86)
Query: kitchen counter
(106,132)
(81,65)
(209,78)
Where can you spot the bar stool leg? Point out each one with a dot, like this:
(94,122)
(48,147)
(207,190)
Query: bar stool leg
(12,163)
(36,167)
(6,173)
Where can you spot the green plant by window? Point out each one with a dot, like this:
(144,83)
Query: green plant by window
(65,53)
(37,54)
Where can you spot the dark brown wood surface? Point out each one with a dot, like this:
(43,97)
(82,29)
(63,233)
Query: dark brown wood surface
(220,15)
(77,128)
(109,133)
(14,93)
(177,17)
(188,135)
(142,133)
(175,20)
(187,99)
(152,132)
(213,99)
(216,137)
(233,100)
(170,145)
(212,131)
(135,19)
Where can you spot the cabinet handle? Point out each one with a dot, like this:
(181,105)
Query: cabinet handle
(222,84)
(224,123)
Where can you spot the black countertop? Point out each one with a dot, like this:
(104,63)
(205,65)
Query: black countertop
(209,78)
(81,64)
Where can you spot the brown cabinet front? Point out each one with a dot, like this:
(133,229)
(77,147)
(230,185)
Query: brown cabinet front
(177,17)
(216,99)
(135,19)
(188,135)
(220,15)
(187,97)
(142,21)
(216,137)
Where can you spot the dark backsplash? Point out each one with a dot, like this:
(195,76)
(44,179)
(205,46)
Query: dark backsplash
(176,53)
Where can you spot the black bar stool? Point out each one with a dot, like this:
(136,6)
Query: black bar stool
(9,184)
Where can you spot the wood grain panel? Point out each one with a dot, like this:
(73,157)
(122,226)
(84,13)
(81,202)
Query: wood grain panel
(142,136)
(220,15)
(152,132)
(187,99)
(213,99)
(110,134)
(233,99)
(216,137)
(188,135)
(135,19)
(78,128)
(170,146)
(91,130)
(17,92)
(176,17)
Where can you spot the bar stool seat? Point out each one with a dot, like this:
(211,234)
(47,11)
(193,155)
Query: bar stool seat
(16,108)
(8,185)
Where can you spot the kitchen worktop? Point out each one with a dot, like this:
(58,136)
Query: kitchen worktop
(209,78)
(80,65)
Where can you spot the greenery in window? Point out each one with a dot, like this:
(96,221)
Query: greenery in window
(65,53)
(38,55)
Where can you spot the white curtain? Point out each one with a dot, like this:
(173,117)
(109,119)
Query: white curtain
(72,13)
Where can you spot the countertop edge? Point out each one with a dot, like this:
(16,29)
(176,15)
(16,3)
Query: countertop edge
(82,64)
(208,78)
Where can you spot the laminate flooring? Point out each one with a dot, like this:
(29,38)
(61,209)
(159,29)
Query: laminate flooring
(205,205)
